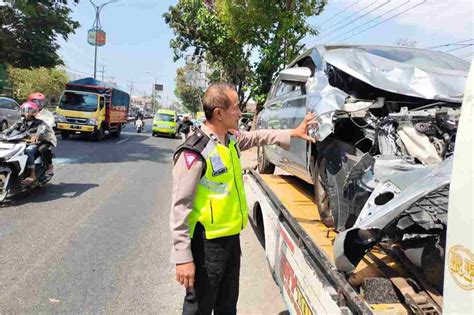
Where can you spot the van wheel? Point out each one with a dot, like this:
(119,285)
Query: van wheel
(65,135)
(264,166)
(334,164)
(4,126)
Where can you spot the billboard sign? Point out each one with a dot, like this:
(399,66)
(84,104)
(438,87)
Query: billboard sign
(158,87)
(96,37)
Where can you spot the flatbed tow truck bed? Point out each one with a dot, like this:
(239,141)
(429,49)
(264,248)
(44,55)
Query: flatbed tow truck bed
(299,250)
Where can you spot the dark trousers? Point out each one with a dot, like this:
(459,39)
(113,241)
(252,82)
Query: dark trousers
(32,153)
(216,285)
(46,153)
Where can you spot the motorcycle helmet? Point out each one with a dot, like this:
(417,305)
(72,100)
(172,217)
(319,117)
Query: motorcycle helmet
(37,98)
(29,108)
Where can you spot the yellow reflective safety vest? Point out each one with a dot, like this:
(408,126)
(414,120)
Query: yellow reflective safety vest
(220,204)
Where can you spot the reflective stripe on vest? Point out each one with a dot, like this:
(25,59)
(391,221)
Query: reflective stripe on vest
(220,204)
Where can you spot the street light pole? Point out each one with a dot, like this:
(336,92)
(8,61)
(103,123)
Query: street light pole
(97,26)
(153,91)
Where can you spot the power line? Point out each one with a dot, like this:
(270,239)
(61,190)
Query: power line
(356,19)
(337,14)
(450,44)
(325,31)
(374,19)
(77,71)
(464,46)
(464,55)
(383,21)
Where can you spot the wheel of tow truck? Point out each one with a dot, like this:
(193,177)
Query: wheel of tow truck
(65,135)
(264,166)
(4,126)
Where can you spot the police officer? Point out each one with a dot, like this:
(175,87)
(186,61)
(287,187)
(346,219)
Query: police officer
(209,208)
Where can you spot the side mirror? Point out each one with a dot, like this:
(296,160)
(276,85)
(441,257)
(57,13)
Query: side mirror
(295,76)
(101,102)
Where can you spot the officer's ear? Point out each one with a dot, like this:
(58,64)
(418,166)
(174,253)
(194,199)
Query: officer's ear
(217,114)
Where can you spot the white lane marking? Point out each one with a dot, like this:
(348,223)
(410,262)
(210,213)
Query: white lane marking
(122,141)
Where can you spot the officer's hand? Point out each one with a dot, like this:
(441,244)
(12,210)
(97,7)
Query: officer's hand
(185,275)
(302,130)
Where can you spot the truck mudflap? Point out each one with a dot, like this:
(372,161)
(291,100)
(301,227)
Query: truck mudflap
(310,283)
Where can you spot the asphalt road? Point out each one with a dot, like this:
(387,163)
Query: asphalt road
(96,239)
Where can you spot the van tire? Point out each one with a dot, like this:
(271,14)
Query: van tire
(263,164)
(333,164)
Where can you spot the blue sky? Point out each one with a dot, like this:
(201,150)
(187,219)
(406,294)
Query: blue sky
(138,38)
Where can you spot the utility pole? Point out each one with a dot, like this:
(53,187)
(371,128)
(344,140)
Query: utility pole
(102,71)
(153,91)
(130,84)
(96,27)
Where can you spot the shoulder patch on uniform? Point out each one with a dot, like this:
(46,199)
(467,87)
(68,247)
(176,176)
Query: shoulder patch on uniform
(190,158)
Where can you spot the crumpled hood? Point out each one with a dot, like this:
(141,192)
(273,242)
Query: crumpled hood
(397,77)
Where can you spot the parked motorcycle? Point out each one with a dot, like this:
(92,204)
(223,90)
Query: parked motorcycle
(13,165)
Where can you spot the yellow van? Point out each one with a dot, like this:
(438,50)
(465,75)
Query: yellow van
(165,123)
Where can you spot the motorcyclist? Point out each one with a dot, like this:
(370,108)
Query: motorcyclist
(37,98)
(39,136)
(45,149)
(139,121)
(186,126)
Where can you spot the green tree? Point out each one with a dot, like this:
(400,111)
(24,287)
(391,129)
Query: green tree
(189,95)
(197,27)
(49,81)
(228,32)
(273,29)
(30,29)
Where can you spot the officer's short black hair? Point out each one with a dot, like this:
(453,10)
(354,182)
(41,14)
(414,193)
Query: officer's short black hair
(216,97)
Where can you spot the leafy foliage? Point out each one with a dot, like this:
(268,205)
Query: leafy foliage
(230,34)
(189,95)
(198,28)
(30,29)
(49,81)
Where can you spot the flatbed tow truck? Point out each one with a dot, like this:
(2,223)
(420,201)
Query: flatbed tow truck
(299,247)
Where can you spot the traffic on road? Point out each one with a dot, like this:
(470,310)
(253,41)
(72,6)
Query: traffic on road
(308,157)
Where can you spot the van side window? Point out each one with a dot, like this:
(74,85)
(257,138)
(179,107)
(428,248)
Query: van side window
(282,89)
